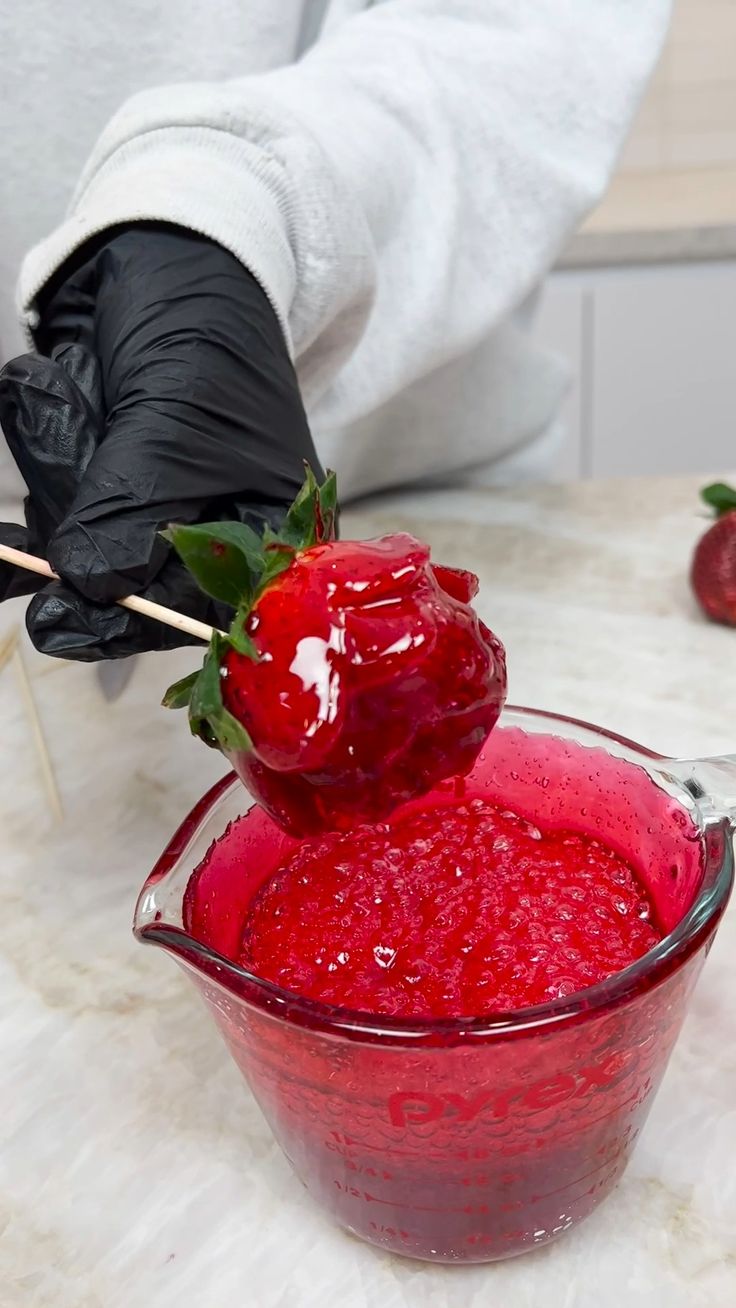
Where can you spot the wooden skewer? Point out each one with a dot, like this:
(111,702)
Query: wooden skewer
(29,699)
(158,612)
(10,652)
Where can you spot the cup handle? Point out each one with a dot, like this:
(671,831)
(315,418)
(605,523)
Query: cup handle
(711,781)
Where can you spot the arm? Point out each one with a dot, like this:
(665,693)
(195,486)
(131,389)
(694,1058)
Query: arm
(398,191)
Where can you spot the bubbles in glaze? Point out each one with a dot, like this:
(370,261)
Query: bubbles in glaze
(454,911)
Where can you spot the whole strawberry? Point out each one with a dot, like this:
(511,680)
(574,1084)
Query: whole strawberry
(713,573)
(355,676)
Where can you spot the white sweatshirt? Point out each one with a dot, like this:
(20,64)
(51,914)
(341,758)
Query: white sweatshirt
(398,190)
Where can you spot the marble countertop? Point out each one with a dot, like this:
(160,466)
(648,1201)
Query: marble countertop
(135,1169)
(659,216)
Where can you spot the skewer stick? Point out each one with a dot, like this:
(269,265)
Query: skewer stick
(44,758)
(10,652)
(159,613)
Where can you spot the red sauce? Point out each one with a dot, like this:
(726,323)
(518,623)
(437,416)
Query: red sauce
(452,911)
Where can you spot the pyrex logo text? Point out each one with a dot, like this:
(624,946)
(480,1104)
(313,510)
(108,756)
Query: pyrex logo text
(409,1107)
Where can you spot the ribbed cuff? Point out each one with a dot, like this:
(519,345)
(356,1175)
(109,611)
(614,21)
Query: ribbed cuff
(199,178)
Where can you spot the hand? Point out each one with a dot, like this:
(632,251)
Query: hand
(166,394)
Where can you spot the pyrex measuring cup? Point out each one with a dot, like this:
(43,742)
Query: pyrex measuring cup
(469,1139)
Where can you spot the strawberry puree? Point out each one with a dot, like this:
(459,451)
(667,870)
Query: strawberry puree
(452,911)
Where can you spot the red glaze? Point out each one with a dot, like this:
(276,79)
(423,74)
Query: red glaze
(457,582)
(375,681)
(452,911)
(713,573)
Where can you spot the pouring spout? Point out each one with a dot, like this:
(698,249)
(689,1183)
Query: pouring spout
(711,782)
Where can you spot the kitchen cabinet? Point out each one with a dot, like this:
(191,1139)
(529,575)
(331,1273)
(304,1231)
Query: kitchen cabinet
(559,325)
(652,353)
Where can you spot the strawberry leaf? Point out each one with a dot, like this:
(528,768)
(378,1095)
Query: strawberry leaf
(720,497)
(277,558)
(230,734)
(312,517)
(201,728)
(225,558)
(327,508)
(238,636)
(206,699)
(208,717)
(299,527)
(179,695)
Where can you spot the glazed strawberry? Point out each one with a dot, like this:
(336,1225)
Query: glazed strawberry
(457,582)
(355,676)
(713,573)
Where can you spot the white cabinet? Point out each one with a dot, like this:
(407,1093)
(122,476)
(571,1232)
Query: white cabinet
(664,370)
(652,351)
(559,325)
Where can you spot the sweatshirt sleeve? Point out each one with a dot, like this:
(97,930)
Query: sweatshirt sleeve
(399,190)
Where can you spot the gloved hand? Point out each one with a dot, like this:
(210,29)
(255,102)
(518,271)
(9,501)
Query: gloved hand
(166,394)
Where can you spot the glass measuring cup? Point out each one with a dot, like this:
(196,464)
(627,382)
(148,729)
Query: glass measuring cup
(472,1139)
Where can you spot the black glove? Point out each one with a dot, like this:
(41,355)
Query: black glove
(167,395)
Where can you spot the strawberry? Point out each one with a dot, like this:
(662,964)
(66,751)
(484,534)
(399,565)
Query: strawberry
(355,676)
(713,573)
